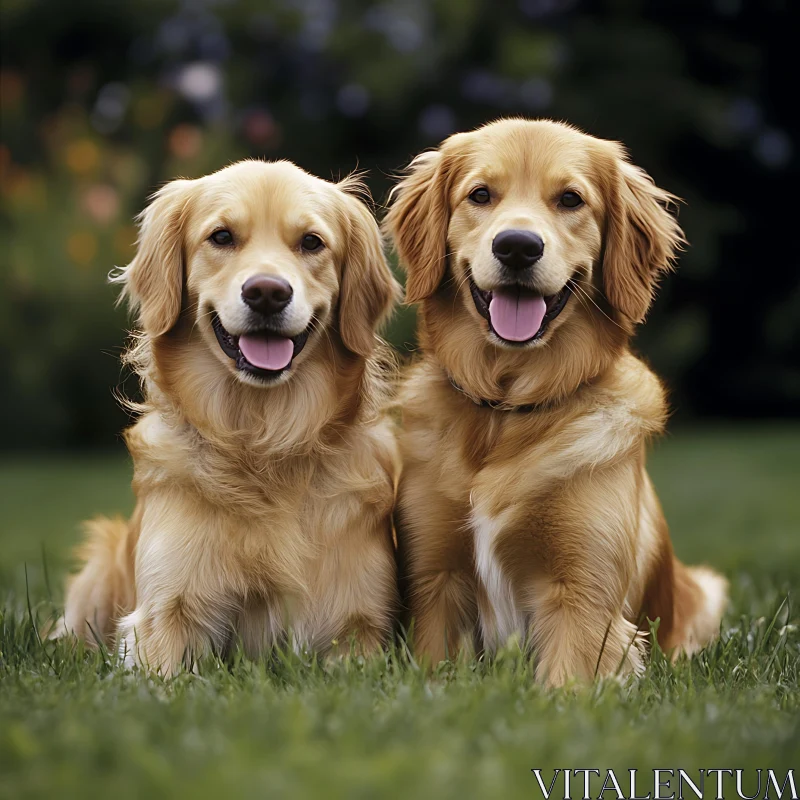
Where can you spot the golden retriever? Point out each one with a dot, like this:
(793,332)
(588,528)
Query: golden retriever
(524,506)
(264,469)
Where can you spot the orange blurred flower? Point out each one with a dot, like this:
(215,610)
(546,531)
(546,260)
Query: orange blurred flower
(5,161)
(18,184)
(82,156)
(12,88)
(82,247)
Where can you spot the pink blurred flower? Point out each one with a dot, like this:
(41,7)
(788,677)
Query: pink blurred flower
(261,129)
(185,141)
(101,202)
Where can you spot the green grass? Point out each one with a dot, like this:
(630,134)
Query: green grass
(72,723)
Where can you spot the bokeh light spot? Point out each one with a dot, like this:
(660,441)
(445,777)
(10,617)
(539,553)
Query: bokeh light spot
(185,141)
(82,248)
(82,156)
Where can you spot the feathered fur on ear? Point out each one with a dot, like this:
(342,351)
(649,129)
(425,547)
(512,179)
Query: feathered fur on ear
(642,236)
(368,289)
(153,282)
(417,222)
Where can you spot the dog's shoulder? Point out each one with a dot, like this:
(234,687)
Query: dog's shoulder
(610,418)
(632,394)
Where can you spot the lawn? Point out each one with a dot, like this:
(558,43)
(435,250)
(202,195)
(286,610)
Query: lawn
(73,723)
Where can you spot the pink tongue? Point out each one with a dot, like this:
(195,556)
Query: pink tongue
(266,351)
(516,315)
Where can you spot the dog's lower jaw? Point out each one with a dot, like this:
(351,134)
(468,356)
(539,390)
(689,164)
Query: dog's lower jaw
(257,382)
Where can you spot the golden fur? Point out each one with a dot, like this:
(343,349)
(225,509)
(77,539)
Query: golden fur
(263,511)
(541,524)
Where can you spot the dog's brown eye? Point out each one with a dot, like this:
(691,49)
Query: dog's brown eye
(223,238)
(571,200)
(480,196)
(311,242)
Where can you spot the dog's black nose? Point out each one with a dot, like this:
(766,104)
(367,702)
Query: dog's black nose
(266,293)
(517,249)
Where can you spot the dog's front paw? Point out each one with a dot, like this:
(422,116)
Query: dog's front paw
(160,643)
(129,648)
(143,644)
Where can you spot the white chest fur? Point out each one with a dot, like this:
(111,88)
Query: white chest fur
(500,616)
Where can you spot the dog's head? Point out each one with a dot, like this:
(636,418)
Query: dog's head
(262,261)
(530,222)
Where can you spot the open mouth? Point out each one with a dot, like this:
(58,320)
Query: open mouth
(518,315)
(264,354)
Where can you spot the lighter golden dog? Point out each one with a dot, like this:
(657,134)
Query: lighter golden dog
(264,471)
(524,507)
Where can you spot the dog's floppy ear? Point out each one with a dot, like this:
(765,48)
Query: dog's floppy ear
(153,282)
(368,289)
(642,236)
(417,221)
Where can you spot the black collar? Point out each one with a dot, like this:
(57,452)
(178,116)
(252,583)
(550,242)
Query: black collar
(499,405)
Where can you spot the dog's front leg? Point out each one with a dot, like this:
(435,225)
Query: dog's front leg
(436,563)
(352,577)
(579,632)
(183,608)
(576,598)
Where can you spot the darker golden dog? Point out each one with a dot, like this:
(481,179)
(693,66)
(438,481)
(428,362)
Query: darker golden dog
(525,508)
(264,469)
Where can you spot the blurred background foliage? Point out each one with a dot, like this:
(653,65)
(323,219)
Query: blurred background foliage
(102,101)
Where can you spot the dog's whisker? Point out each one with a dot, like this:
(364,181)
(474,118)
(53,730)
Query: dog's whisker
(581,291)
(329,342)
(206,314)
(458,289)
